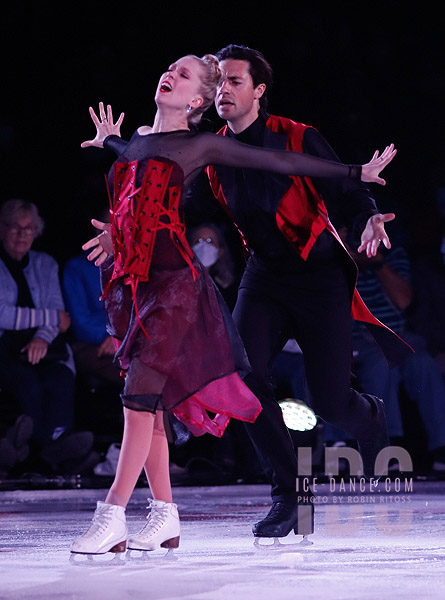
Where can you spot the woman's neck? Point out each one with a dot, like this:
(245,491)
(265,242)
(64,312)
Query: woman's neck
(169,121)
(16,256)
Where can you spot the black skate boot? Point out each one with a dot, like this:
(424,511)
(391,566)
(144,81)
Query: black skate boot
(285,516)
(370,447)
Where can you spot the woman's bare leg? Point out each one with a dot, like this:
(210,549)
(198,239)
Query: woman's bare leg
(135,448)
(142,429)
(157,462)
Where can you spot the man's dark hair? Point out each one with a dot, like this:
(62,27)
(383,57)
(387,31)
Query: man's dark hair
(259,69)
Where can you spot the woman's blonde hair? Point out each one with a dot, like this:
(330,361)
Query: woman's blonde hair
(209,81)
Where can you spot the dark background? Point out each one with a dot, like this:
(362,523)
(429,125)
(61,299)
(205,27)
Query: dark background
(364,74)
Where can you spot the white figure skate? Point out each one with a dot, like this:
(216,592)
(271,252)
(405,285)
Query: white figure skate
(108,532)
(161,529)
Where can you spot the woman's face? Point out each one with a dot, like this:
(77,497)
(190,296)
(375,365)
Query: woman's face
(19,234)
(204,235)
(205,245)
(179,86)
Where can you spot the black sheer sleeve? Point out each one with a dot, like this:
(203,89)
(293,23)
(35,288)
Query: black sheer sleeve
(225,151)
(116,144)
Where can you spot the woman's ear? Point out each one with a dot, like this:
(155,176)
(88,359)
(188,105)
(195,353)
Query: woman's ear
(197,102)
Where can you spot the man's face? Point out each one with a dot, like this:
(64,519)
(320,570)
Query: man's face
(236,96)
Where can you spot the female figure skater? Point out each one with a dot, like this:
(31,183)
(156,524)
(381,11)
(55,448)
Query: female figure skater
(177,344)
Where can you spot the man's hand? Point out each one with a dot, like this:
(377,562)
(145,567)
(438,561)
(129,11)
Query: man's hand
(101,244)
(374,233)
(104,126)
(36,350)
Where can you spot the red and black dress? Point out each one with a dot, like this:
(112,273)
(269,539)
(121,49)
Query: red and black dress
(163,308)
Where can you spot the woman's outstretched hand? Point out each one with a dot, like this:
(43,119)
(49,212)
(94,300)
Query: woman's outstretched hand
(104,126)
(101,245)
(371,171)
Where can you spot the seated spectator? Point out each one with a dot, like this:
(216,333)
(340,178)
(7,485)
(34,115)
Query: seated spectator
(93,348)
(384,282)
(428,315)
(99,383)
(209,245)
(36,363)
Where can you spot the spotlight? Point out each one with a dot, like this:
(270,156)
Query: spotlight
(297,415)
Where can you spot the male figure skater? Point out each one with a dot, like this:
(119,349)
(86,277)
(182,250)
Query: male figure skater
(298,282)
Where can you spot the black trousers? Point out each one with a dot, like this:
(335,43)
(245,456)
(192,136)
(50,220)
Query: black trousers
(45,392)
(311,303)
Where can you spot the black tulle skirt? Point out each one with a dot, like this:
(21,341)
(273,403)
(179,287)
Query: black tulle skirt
(193,346)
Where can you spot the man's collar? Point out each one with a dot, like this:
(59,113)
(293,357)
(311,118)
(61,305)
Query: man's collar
(254,133)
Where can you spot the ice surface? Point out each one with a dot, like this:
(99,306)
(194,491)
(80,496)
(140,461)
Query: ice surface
(367,545)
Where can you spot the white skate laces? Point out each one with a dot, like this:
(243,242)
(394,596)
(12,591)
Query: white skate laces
(161,529)
(107,533)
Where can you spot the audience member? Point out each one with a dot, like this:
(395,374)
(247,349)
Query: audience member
(99,381)
(92,346)
(428,315)
(210,246)
(384,282)
(36,363)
